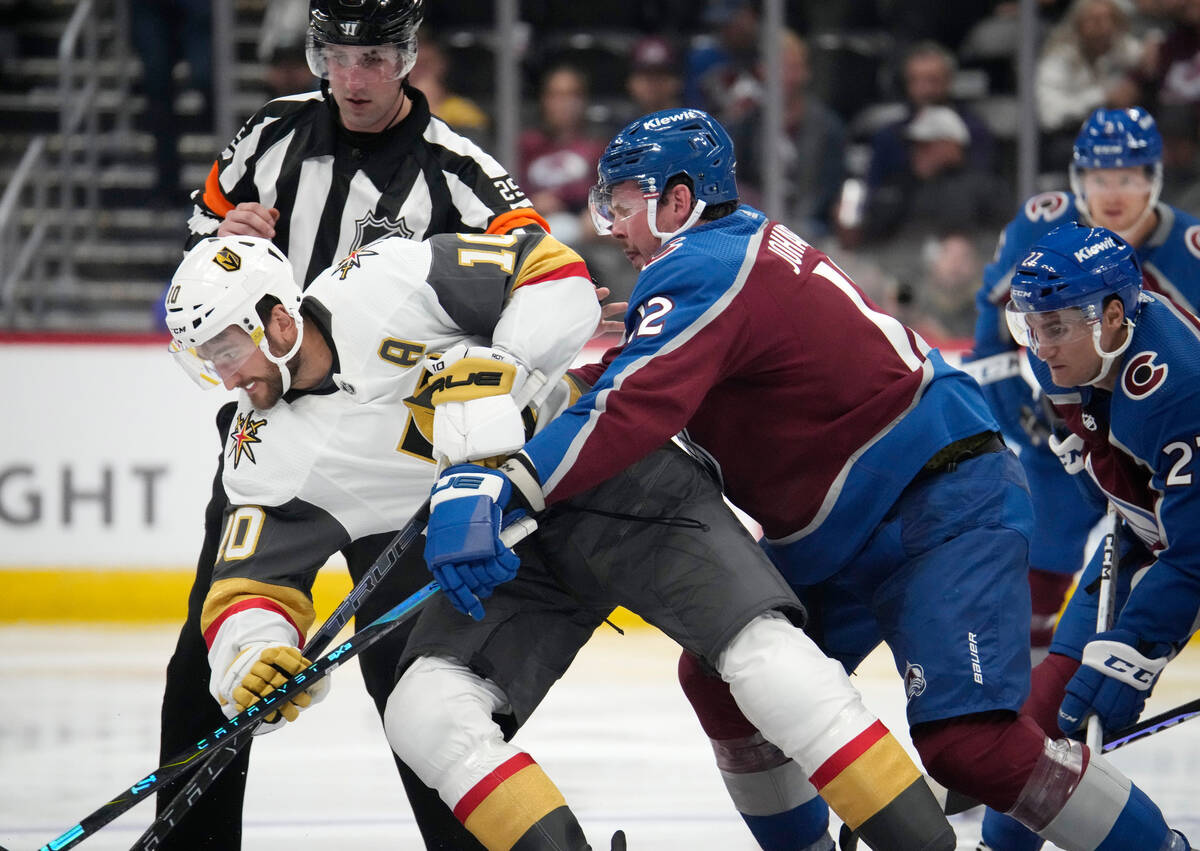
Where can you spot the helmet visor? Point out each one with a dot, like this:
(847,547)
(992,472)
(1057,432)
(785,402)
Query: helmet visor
(210,363)
(600,207)
(607,210)
(1037,329)
(367,62)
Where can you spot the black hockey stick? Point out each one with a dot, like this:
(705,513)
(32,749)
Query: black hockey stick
(211,767)
(242,725)
(1150,726)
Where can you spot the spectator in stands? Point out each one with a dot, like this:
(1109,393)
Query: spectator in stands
(1091,59)
(1176,81)
(938,191)
(928,74)
(720,65)
(557,158)
(164,33)
(429,75)
(943,294)
(811,150)
(655,80)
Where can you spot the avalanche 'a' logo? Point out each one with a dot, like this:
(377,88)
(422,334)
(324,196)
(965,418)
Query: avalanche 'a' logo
(1191,238)
(243,438)
(1142,376)
(914,680)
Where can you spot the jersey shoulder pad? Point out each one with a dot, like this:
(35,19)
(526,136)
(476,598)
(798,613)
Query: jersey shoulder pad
(267,455)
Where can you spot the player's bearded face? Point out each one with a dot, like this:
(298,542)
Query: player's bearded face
(242,364)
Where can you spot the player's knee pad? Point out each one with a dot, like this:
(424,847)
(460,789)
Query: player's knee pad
(794,694)
(711,700)
(986,756)
(771,792)
(438,720)
(803,701)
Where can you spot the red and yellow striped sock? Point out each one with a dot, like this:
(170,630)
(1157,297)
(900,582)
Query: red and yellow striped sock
(516,807)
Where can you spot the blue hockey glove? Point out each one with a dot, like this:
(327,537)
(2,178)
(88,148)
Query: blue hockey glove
(1113,681)
(462,541)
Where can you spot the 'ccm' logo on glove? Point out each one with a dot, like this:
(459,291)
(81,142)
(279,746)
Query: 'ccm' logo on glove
(1122,662)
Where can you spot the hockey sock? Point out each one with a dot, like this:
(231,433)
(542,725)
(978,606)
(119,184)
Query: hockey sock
(803,702)
(1047,590)
(772,793)
(517,807)
(1048,683)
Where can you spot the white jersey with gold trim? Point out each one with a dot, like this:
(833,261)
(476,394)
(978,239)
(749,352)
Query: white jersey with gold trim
(352,458)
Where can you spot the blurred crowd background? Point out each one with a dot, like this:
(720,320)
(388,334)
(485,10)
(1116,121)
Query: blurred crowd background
(899,151)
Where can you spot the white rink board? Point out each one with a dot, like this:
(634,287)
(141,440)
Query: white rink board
(107,453)
(106,456)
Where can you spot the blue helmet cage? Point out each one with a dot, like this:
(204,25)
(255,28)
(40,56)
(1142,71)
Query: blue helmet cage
(1075,267)
(660,146)
(1118,138)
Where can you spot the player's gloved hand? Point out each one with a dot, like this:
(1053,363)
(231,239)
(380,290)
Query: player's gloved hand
(462,541)
(477,394)
(257,671)
(1116,676)
(1070,451)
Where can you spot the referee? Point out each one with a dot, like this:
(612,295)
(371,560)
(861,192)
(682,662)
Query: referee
(322,174)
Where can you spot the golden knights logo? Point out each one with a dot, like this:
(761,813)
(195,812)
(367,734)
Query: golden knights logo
(228,260)
(243,438)
(354,261)
(372,227)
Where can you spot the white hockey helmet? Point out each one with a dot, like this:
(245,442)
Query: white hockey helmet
(217,287)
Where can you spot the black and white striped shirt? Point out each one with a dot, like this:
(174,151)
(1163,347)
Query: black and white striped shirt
(337,190)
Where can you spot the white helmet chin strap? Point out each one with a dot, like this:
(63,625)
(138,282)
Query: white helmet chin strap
(652,216)
(1107,359)
(281,361)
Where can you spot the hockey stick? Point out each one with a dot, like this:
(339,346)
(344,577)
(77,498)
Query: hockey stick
(211,767)
(236,729)
(1105,608)
(1150,726)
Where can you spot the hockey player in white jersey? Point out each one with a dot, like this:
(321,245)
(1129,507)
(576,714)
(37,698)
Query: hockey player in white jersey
(456,349)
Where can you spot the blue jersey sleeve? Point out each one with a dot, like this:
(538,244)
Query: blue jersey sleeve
(1164,605)
(682,334)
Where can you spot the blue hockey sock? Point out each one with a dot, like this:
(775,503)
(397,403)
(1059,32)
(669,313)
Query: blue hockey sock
(804,827)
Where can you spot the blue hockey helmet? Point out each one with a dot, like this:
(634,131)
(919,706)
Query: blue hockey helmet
(659,146)
(1072,272)
(1118,138)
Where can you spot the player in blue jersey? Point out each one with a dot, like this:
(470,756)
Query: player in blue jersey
(886,498)
(1115,175)
(1122,369)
